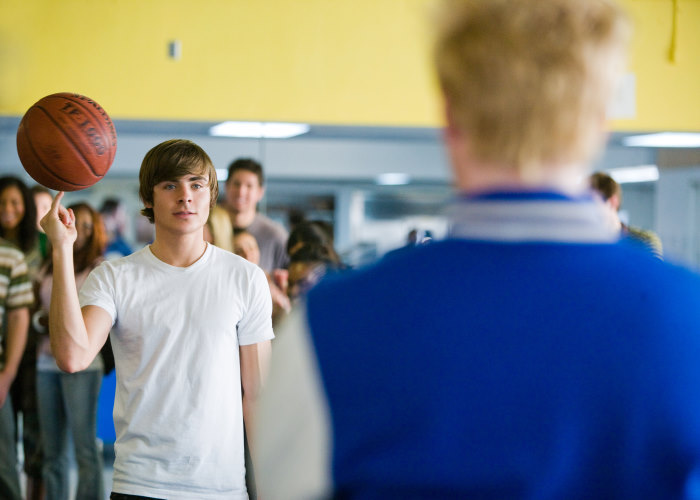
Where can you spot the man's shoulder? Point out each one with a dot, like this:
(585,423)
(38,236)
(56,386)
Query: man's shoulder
(265,225)
(394,271)
(120,265)
(407,268)
(222,259)
(646,237)
(133,257)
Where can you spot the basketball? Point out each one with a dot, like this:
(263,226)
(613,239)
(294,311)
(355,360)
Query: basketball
(66,142)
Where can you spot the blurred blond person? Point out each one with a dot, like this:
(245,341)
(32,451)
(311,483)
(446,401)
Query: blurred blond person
(530,355)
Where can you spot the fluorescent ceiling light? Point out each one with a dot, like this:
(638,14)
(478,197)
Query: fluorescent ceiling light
(393,179)
(641,173)
(664,140)
(259,130)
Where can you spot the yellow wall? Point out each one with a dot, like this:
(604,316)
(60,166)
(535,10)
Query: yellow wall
(668,93)
(357,62)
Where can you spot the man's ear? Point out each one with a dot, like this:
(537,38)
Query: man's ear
(614,201)
(453,136)
(452,131)
(262,194)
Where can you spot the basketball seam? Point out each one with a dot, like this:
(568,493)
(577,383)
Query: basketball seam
(46,168)
(104,120)
(73,145)
(93,109)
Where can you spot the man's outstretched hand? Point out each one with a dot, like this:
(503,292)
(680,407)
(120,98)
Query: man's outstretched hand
(59,223)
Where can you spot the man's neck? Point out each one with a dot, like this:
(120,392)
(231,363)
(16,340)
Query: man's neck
(473,175)
(242,219)
(477,178)
(180,251)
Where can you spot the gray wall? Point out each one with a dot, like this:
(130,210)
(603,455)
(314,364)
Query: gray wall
(342,167)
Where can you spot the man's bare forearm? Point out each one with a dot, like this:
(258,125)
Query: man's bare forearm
(255,361)
(69,339)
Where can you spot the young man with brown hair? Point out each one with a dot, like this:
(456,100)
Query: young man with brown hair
(611,193)
(193,330)
(245,187)
(542,358)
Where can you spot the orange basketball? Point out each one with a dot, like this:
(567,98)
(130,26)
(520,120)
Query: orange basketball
(66,142)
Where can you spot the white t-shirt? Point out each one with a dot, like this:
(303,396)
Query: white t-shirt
(178,411)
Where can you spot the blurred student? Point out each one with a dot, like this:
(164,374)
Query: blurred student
(191,342)
(42,199)
(541,357)
(412,238)
(115,223)
(611,193)
(18,220)
(246,246)
(312,254)
(245,187)
(312,232)
(308,265)
(16,299)
(18,226)
(217,230)
(68,401)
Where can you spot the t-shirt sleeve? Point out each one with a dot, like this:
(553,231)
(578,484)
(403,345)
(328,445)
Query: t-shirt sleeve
(281,257)
(98,290)
(256,324)
(19,291)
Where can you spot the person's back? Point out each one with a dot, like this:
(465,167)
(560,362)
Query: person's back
(518,372)
(514,370)
(537,356)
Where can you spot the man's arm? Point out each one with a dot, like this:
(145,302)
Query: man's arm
(255,360)
(16,335)
(293,443)
(76,336)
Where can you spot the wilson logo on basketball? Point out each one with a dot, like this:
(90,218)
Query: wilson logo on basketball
(85,125)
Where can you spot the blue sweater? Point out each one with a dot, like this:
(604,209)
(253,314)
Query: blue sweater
(529,356)
(497,370)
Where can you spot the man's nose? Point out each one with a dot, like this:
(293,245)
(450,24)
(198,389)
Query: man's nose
(185,194)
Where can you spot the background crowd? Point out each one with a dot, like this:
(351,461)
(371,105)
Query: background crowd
(56,408)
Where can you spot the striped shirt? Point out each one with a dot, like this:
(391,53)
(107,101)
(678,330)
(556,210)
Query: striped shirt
(15,285)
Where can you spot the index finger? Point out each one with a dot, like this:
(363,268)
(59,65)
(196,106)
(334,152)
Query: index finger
(56,202)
